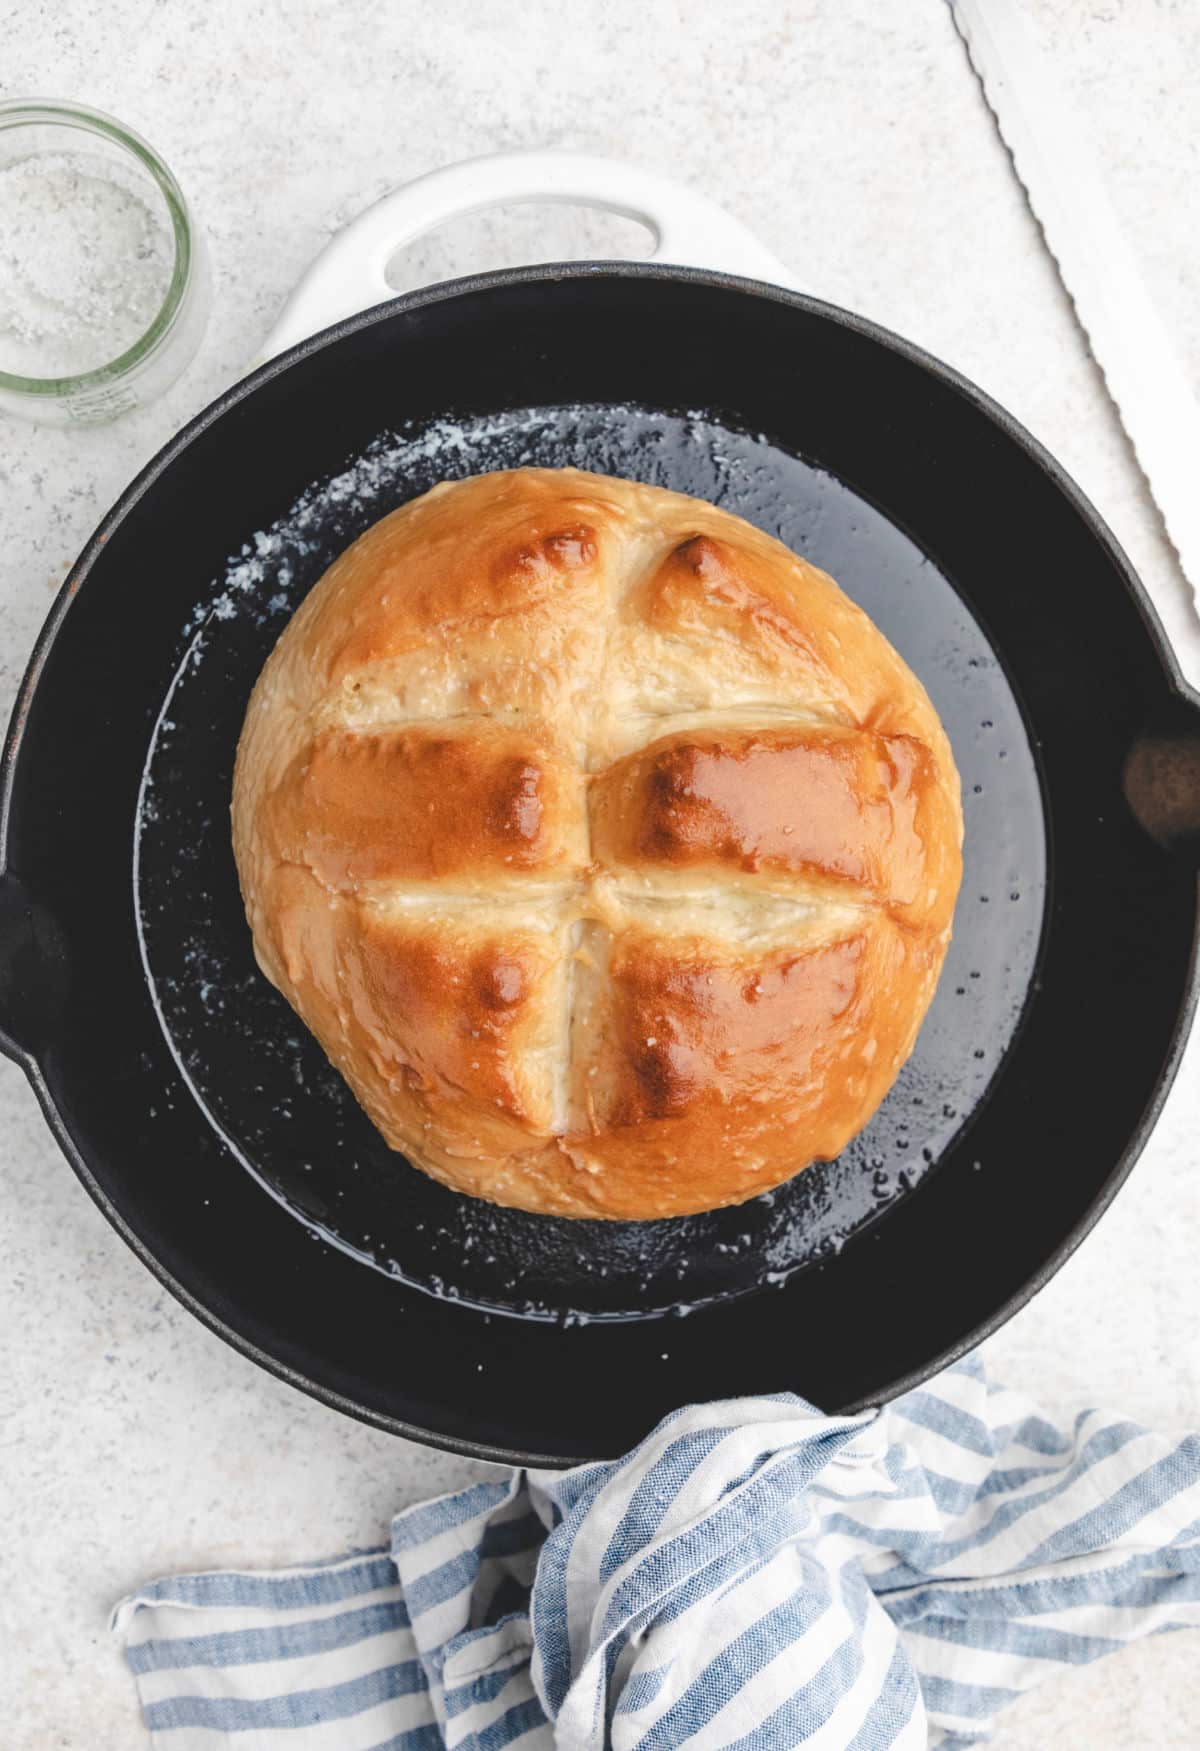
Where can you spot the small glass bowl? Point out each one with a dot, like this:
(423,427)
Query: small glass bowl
(30,129)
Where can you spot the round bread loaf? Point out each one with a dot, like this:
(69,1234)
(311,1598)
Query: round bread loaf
(607,848)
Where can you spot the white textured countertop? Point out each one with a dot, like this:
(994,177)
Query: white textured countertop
(850,135)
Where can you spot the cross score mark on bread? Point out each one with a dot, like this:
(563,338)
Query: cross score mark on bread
(607,848)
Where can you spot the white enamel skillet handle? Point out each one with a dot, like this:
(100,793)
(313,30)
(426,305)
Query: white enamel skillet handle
(350,274)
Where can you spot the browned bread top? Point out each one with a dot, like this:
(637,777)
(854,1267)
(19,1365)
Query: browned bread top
(608,849)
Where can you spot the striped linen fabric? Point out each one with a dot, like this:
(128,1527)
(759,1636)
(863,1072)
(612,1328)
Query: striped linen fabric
(754,1576)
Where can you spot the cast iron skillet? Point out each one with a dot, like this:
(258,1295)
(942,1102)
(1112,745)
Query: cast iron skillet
(203,1120)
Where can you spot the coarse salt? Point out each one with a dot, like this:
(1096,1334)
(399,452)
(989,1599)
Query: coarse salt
(86,258)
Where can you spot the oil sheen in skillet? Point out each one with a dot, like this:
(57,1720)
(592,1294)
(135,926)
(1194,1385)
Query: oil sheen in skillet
(265,1084)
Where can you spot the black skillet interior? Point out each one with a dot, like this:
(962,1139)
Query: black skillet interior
(174,1069)
(295,1123)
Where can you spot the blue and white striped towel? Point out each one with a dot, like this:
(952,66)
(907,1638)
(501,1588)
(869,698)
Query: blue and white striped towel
(754,1575)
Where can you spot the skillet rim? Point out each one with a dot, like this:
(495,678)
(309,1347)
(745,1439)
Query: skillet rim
(553,273)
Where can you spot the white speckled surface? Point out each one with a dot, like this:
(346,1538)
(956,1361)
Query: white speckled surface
(850,135)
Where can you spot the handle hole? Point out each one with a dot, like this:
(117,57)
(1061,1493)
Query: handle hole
(1162,786)
(517,235)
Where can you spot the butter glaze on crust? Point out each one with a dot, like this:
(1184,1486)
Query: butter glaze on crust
(607,848)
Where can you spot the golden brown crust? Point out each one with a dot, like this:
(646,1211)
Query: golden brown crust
(844,809)
(607,848)
(708,1067)
(425,805)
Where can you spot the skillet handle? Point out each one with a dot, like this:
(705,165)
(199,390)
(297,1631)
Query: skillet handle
(350,274)
(33,973)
